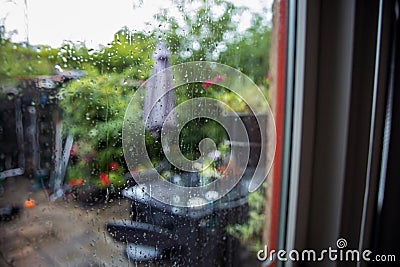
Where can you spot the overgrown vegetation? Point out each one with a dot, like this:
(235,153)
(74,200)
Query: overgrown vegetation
(94,105)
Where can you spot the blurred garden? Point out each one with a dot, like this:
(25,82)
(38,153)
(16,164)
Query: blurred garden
(93,105)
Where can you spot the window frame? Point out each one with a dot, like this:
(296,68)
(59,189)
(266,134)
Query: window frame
(334,117)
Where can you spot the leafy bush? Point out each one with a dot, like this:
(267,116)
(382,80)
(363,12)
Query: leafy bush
(94,111)
(250,233)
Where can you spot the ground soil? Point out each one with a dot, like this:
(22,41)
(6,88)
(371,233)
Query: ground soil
(59,233)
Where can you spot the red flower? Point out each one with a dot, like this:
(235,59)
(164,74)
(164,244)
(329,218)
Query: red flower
(79,182)
(134,171)
(207,83)
(75,182)
(114,166)
(222,168)
(73,151)
(105,179)
(218,78)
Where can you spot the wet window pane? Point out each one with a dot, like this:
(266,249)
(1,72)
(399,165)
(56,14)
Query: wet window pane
(135,133)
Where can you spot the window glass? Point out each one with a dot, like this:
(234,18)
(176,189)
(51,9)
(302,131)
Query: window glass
(136,132)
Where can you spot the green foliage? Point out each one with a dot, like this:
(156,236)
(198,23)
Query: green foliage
(250,233)
(128,51)
(250,52)
(214,38)
(94,112)
(201,33)
(198,129)
(20,60)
